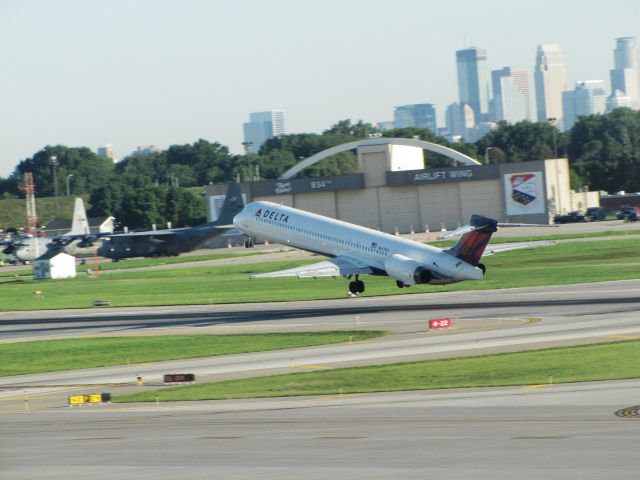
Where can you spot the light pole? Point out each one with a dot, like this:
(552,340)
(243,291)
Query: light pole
(68,186)
(53,161)
(486,155)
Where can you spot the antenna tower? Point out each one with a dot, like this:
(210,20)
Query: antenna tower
(30,192)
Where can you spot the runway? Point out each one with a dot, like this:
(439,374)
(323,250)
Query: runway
(484,322)
(540,431)
(557,432)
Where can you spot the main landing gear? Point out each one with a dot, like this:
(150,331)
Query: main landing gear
(356,287)
(248,242)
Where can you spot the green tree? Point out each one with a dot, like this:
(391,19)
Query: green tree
(9,187)
(524,141)
(210,162)
(89,170)
(354,130)
(605,150)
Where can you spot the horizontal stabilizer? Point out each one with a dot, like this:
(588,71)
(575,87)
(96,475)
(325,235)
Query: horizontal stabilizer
(504,247)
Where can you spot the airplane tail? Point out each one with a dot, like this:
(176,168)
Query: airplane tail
(80,224)
(471,245)
(232,205)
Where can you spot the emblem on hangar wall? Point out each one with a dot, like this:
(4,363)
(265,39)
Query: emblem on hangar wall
(523,188)
(523,192)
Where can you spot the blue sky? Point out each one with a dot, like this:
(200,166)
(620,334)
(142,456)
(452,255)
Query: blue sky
(161,72)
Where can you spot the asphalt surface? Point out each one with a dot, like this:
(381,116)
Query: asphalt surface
(587,431)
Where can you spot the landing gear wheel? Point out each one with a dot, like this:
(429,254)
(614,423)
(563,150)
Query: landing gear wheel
(399,284)
(356,287)
(482,267)
(248,242)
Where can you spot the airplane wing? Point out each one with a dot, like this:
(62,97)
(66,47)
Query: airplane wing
(333,267)
(85,238)
(503,247)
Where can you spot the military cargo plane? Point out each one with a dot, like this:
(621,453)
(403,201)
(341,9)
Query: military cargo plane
(28,248)
(174,241)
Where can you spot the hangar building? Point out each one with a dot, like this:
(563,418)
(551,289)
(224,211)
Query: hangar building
(395,193)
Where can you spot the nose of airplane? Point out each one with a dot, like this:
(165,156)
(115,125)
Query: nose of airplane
(241,218)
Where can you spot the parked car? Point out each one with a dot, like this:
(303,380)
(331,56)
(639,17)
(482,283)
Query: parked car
(596,214)
(630,214)
(571,217)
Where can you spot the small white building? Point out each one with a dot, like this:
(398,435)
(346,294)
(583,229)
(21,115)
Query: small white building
(54,265)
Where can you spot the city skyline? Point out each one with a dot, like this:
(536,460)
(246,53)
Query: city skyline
(127,83)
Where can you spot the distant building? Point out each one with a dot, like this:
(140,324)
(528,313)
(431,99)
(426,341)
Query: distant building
(261,127)
(386,125)
(96,225)
(551,81)
(588,98)
(54,265)
(105,151)
(421,115)
(473,81)
(510,94)
(460,120)
(618,99)
(624,77)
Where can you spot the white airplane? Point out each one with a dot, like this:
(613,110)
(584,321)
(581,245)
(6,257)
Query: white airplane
(357,250)
(29,248)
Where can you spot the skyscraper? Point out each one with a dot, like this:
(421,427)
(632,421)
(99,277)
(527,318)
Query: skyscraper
(421,115)
(105,151)
(473,81)
(510,94)
(624,77)
(551,81)
(618,99)
(460,121)
(261,127)
(588,98)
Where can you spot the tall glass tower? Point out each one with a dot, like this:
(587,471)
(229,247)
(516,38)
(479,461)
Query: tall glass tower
(551,80)
(624,77)
(510,94)
(261,127)
(421,115)
(588,98)
(473,81)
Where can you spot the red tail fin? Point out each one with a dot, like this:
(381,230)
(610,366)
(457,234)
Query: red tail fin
(472,244)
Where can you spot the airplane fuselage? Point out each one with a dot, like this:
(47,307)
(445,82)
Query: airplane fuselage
(166,243)
(385,254)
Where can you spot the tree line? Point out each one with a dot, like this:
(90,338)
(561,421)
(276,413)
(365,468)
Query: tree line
(154,187)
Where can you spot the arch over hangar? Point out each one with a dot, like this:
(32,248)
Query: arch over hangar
(409,142)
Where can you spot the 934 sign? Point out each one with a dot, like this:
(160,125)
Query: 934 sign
(320,184)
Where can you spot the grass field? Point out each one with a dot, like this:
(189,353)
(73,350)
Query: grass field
(566,263)
(610,361)
(136,263)
(70,354)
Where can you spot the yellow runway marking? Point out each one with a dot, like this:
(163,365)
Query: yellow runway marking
(533,387)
